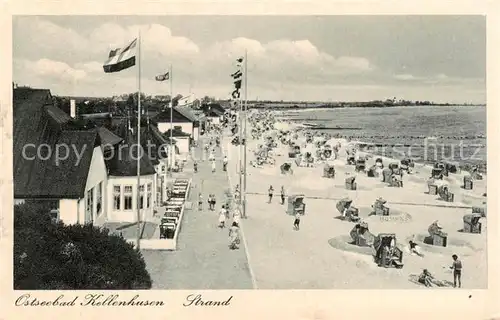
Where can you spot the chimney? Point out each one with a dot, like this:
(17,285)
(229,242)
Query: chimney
(72,108)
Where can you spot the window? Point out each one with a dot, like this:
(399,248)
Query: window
(99,198)
(149,193)
(127,197)
(117,197)
(141,197)
(90,204)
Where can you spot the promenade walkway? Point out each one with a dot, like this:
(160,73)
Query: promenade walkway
(203,259)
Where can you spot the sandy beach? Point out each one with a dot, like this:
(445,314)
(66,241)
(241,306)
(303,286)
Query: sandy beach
(319,255)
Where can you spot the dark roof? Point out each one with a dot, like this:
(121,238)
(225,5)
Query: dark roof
(186,111)
(101,115)
(191,114)
(176,133)
(124,159)
(36,122)
(57,115)
(156,134)
(213,110)
(108,137)
(177,116)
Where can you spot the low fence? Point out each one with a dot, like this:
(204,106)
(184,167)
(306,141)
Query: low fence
(166,244)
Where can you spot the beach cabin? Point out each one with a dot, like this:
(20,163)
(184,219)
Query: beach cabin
(72,184)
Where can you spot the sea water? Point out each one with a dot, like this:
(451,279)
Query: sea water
(425,133)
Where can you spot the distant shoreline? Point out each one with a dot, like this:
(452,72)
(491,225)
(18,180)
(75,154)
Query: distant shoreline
(353,105)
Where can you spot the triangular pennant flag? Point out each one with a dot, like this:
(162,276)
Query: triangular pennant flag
(237,74)
(235,94)
(237,84)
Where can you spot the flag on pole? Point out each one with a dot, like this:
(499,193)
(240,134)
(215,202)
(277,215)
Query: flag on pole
(237,74)
(162,77)
(121,59)
(237,84)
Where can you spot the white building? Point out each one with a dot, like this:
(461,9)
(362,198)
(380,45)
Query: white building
(179,121)
(73,183)
(87,186)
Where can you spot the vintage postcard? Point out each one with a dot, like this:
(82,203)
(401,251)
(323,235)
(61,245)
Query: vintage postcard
(217,162)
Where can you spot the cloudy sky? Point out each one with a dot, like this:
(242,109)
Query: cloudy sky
(329,58)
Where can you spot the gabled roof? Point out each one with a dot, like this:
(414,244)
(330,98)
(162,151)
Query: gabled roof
(108,137)
(124,161)
(176,133)
(177,116)
(37,122)
(186,111)
(124,157)
(213,110)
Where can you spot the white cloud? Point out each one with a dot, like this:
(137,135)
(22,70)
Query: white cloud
(405,77)
(279,68)
(53,69)
(49,36)
(91,66)
(156,39)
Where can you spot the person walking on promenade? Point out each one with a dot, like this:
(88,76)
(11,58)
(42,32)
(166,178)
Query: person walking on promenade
(270,192)
(237,194)
(296,222)
(224,163)
(222,217)
(213,202)
(213,166)
(195,166)
(236,215)
(234,236)
(457,271)
(200,202)
(209,200)
(282,195)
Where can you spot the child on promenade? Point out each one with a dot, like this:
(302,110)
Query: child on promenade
(213,165)
(282,195)
(270,192)
(296,223)
(224,163)
(200,202)
(222,217)
(213,201)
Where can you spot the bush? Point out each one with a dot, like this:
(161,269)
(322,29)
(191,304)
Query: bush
(53,256)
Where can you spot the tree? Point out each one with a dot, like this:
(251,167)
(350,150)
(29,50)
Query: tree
(50,255)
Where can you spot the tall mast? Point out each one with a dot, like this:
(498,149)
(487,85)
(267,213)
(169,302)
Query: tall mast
(139,154)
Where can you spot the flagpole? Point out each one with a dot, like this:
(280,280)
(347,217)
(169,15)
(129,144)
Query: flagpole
(172,147)
(240,167)
(245,146)
(139,141)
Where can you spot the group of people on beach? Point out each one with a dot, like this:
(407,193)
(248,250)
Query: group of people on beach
(262,128)
(427,279)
